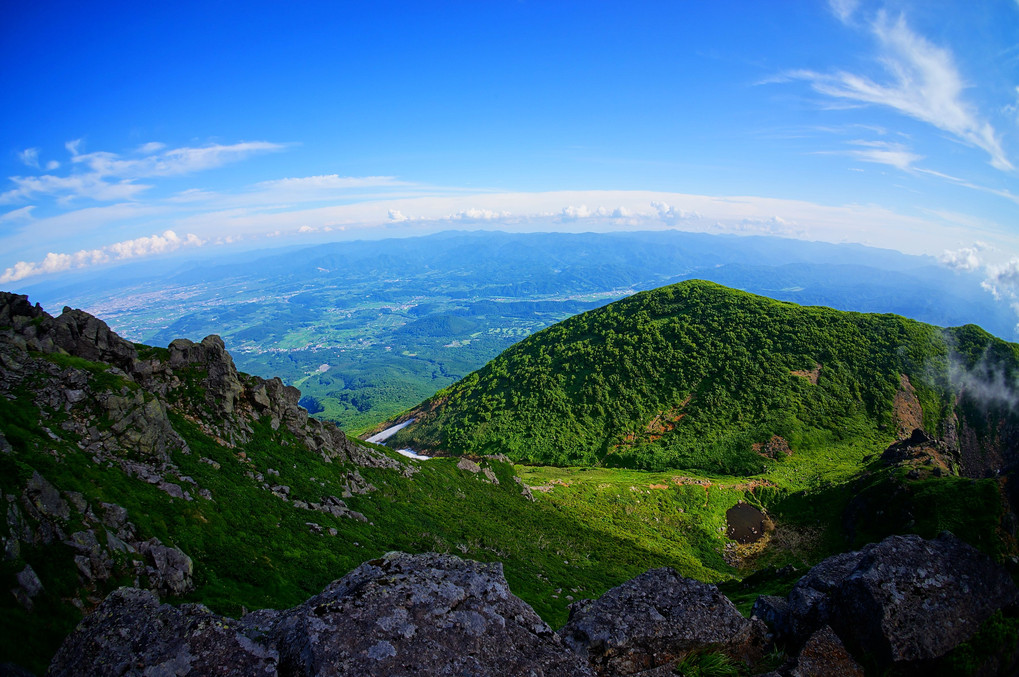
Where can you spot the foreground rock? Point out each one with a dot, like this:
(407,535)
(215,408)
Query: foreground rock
(130,633)
(655,620)
(904,601)
(901,604)
(399,615)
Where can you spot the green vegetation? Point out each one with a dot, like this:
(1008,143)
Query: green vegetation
(694,375)
(656,414)
(252,550)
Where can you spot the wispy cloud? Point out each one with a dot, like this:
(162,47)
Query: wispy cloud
(18,215)
(1000,192)
(90,186)
(55,262)
(171,162)
(30,157)
(880,152)
(843,9)
(922,82)
(105,176)
(329,182)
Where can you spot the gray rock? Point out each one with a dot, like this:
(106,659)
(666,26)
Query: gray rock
(29,586)
(130,633)
(420,615)
(44,497)
(824,654)
(114,516)
(902,601)
(29,581)
(656,619)
(468,465)
(170,569)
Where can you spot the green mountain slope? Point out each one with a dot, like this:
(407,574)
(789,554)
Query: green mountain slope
(123,464)
(695,375)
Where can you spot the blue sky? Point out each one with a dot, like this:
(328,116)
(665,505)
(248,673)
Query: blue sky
(133,130)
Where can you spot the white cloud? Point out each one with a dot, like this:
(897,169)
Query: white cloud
(966,259)
(77,185)
(1000,192)
(16,215)
(923,83)
(108,176)
(672,215)
(571,213)
(885,153)
(52,165)
(30,157)
(569,210)
(1003,280)
(55,262)
(474,214)
(151,147)
(843,9)
(330,182)
(172,162)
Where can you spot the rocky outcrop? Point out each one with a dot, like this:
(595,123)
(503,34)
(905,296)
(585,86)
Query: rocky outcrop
(398,615)
(197,379)
(233,402)
(902,601)
(74,332)
(922,451)
(900,604)
(130,633)
(655,620)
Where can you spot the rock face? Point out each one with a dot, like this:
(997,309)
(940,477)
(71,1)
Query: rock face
(656,619)
(902,601)
(399,615)
(420,615)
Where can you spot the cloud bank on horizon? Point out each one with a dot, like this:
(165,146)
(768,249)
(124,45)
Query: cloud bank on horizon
(890,124)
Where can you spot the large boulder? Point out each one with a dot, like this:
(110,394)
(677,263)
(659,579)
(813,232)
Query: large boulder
(130,633)
(420,615)
(902,602)
(656,619)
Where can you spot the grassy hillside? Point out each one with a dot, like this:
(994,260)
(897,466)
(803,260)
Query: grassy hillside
(253,549)
(695,375)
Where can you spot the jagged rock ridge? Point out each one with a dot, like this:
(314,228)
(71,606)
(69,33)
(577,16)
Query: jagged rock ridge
(109,402)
